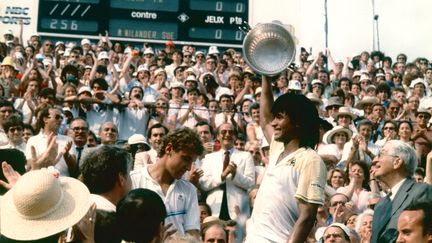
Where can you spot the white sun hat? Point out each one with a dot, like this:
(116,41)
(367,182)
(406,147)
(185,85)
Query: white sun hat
(41,205)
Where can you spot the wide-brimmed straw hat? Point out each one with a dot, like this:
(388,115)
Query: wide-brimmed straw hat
(328,136)
(343,110)
(333,101)
(139,139)
(366,100)
(41,205)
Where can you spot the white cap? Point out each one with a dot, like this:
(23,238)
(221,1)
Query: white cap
(103,55)
(192,70)
(158,71)
(84,89)
(177,84)
(199,53)
(85,41)
(149,51)
(213,50)
(142,67)
(59,43)
(364,77)
(138,139)
(294,85)
(127,50)
(316,81)
(8,32)
(417,81)
(191,78)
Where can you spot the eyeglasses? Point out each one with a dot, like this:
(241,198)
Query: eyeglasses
(381,154)
(389,128)
(161,59)
(402,58)
(394,108)
(199,56)
(48,44)
(110,129)
(15,129)
(57,117)
(225,132)
(187,56)
(422,116)
(161,105)
(334,235)
(77,129)
(254,152)
(333,204)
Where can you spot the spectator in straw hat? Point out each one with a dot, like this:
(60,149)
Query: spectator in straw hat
(42,205)
(344,117)
(335,140)
(7,77)
(365,104)
(332,107)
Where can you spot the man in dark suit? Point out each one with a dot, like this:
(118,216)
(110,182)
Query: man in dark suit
(395,166)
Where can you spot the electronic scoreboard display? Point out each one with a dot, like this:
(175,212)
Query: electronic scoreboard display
(194,21)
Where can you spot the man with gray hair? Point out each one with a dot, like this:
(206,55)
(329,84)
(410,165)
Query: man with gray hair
(394,166)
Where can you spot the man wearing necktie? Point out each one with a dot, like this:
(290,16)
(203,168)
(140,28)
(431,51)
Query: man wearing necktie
(394,166)
(228,174)
(78,132)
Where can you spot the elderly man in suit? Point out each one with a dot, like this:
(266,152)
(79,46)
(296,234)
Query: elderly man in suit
(228,174)
(395,166)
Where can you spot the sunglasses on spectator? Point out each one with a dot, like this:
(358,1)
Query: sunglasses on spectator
(57,117)
(421,116)
(389,128)
(15,129)
(77,129)
(230,132)
(333,204)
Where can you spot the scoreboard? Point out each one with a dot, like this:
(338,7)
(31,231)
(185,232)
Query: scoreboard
(198,22)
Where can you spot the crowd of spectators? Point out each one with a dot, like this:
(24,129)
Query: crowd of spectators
(184,122)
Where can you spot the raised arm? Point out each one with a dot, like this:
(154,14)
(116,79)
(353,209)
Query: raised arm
(266,101)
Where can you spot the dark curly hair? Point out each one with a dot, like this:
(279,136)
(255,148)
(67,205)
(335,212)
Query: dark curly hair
(182,139)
